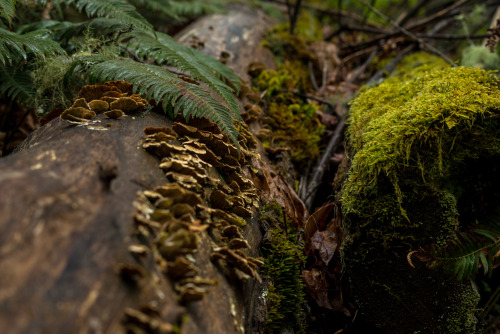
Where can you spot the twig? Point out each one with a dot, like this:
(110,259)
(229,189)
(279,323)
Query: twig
(410,34)
(332,12)
(311,75)
(447,36)
(493,24)
(418,25)
(405,16)
(390,66)
(363,67)
(293,14)
(358,53)
(322,165)
(323,79)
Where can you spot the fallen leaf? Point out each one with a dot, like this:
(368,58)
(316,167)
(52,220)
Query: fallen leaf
(317,286)
(325,243)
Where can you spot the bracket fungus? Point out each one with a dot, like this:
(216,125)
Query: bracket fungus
(77,115)
(80,103)
(162,149)
(95,92)
(140,322)
(174,217)
(123,86)
(236,260)
(181,268)
(114,113)
(99,105)
(127,104)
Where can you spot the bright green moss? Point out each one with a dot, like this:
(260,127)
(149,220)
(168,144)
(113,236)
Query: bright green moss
(284,258)
(425,148)
(283,263)
(293,123)
(427,125)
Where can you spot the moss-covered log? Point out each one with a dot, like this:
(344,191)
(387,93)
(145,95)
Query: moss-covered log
(425,148)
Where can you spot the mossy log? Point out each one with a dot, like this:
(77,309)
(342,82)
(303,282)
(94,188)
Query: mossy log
(76,256)
(424,152)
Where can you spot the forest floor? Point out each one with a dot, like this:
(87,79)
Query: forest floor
(355,48)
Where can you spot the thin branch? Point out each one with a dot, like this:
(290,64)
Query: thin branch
(323,164)
(390,66)
(311,75)
(410,34)
(294,16)
(331,12)
(452,10)
(405,16)
(363,67)
(448,36)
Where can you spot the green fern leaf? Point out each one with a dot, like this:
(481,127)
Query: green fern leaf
(13,46)
(63,31)
(114,9)
(8,9)
(155,82)
(462,256)
(168,50)
(17,85)
(165,49)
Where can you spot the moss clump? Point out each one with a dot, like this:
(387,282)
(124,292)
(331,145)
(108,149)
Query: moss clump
(416,142)
(293,123)
(283,258)
(283,263)
(426,125)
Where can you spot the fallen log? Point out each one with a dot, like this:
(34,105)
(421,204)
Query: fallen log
(87,244)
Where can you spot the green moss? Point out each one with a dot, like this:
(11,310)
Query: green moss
(286,47)
(425,125)
(283,263)
(283,258)
(424,146)
(293,123)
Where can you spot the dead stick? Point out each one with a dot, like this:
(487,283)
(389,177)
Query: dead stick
(409,33)
(405,16)
(422,23)
(321,168)
(390,66)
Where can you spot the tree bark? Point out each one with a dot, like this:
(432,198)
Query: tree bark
(67,231)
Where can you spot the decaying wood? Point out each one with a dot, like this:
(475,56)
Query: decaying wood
(69,262)
(233,38)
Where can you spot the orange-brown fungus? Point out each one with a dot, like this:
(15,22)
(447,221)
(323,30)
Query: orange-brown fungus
(95,92)
(127,104)
(99,105)
(114,113)
(123,86)
(80,103)
(114,94)
(165,129)
(78,115)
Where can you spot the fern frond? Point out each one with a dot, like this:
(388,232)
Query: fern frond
(165,49)
(177,95)
(8,9)
(120,10)
(467,252)
(17,85)
(168,50)
(36,42)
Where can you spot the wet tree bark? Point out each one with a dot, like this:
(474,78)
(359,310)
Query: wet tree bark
(66,224)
